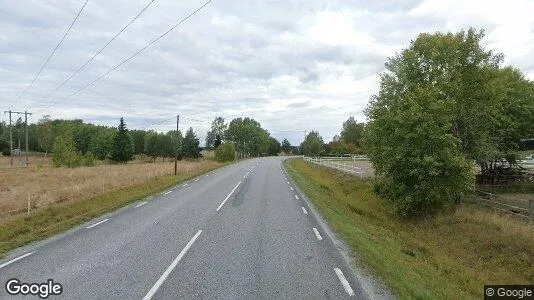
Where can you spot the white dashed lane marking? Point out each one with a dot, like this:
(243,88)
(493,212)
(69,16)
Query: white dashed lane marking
(317,234)
(15,259)
(173,265)
(225,199)
(344,282)
(96,224)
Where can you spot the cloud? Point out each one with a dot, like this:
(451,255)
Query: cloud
(293,65)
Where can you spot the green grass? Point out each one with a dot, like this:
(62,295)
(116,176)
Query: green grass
(63,216)
(449,256)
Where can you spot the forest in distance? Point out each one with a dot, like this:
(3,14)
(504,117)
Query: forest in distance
(88,142)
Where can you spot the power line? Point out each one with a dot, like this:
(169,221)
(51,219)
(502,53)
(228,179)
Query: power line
(133,55)
(51,54)
(160,122)
(98,52)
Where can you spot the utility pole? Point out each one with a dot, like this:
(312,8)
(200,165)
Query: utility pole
(26,134)
(25,113)
(177,145)
(20,157)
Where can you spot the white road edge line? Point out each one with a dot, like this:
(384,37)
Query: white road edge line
(175,262)
(185,184)
(168,192)
(304,210)
(96,224)
(141,204)
(344,281)
(245,175)
(225,199)
(15,259)
(291,188)
(296,197)
(317,234)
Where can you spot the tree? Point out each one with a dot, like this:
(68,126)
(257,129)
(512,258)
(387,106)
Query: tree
(175,140)
(340,147)
(443,102)
(82,135)
(190,147)
(122,145)
(138,140)
(274,147)
(352,132)
(102,144)
(166,145)
(312,145)
(249,138)
(215,136)
(4,144)
(45,134)
(218,141)
(4,147)
(286,146)
(64,153)
(151,146)
(226,152)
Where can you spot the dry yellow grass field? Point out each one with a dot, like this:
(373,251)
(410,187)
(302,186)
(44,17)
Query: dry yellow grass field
(43,184)
(36,160)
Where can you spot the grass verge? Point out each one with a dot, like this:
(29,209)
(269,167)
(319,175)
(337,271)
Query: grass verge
(59,217)
(450,256)
(517,188)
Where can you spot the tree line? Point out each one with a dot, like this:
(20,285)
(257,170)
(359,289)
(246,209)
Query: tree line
(74,142)
(349,141)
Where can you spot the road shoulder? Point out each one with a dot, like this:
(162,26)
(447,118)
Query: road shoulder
(370,285)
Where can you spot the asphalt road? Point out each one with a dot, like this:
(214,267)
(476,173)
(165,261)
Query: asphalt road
(239,232)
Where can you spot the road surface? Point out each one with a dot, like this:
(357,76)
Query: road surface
(239,232)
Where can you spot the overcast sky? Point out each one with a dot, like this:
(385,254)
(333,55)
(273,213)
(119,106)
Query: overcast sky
(293,65)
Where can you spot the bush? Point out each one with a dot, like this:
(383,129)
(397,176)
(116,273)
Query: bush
(88,159)
(4,148)
(65,155)
(225,152)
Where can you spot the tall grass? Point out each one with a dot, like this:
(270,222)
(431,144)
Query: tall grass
(47,185)
(449,256)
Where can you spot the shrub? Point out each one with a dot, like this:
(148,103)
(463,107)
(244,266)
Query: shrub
(4,148)
(88,159)
(225,152)
(63,153)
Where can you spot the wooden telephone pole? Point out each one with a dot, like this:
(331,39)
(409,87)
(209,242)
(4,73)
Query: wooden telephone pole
(177,145)
(25,113)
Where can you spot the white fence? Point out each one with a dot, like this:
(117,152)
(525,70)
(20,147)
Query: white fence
(339,163)
(527,163)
